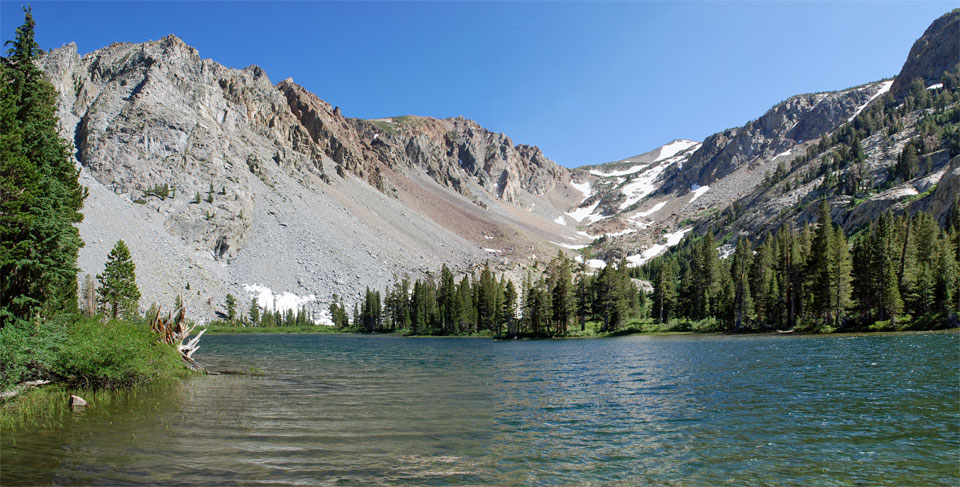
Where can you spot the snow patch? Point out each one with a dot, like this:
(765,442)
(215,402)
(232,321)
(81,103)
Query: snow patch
(493,251)
(885,87)
(568,246)
(622,172)
(583,188)
(782,154)
(282,302)
(653,210)
(585,213)
(641,186)
(596,263)
(935,87)
(698,191)
(657,249)
(561,220)
(674,148)
(621,232)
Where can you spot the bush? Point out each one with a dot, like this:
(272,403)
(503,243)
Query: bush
(28,351)
(116,353)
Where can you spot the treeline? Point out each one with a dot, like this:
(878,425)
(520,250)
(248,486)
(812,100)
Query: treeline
(900,269)
(561,297)
(261,316)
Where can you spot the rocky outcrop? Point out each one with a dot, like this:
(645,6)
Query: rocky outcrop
(944,197)
(936,51)
(156,115)
(449,150)
(791,122)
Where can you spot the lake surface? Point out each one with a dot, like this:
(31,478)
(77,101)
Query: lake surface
(659,410)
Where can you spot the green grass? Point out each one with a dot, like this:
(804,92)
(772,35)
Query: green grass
(78,354)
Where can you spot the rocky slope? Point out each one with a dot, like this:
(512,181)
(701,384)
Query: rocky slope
(219,179)
(754,178)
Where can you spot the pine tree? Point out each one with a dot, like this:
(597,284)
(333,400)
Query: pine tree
(664,293)
(447,300)
(841,266)
(40,196)
(583,294)
(885,260)
(705,278)
(118,292)
(819,266)
(510,306)
(231,304)
(563,299)
(742,301)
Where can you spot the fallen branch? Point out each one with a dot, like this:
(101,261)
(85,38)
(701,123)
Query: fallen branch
(22,387)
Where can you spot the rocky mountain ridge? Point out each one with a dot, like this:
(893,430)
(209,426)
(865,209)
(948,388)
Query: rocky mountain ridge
(223,182)
(728,183)
(216,155)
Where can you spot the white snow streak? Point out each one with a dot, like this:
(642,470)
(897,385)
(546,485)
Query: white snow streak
(674,148)
(653,210)
(883,89)
(657,249)
(568,246)
(698,191)
(622,172)
(585,213)
(583,188)
(560,220)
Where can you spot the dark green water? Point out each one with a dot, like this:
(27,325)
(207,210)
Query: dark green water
(669,410)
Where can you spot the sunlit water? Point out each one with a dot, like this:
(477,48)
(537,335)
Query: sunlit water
(668,410)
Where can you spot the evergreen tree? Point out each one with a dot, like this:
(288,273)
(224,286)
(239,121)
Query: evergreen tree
(742,300)
(231,304)
(563,298)
(447,301)
(40,196)
(254,312)
(510,307)
(819,266)
(705,278)
(583,294)
(841,266)
(664,293)
(118,292)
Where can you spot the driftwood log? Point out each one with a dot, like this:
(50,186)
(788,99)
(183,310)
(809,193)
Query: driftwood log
(22,387)
(174,330)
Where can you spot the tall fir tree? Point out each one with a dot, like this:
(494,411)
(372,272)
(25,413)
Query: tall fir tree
(40,196)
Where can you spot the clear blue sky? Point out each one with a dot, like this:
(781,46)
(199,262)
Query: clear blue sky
(588,82)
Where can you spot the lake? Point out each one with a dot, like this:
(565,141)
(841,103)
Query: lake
(660,410)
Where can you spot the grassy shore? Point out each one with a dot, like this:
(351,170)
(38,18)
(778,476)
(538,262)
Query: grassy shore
(85,355)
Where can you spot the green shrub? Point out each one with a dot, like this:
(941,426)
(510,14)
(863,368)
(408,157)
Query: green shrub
(116,353)
(28,351)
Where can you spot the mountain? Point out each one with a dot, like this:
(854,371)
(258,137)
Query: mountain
(224,182)
(771,171)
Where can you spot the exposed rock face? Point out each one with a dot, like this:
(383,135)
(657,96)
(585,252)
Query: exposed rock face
(144,115)
(270,186)
(936,51)
(947,190)
(448,150)
(793,121)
